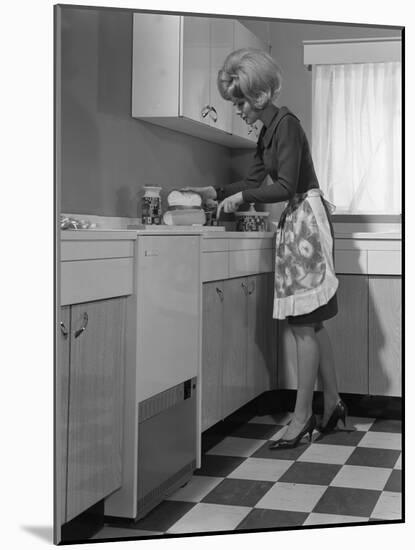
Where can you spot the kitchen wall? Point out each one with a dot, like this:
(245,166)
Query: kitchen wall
(106,155)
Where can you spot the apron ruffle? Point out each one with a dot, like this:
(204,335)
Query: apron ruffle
(304,267)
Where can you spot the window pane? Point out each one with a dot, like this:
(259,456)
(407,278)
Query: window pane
(356,135)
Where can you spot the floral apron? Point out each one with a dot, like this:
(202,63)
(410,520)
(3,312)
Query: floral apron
(304,264)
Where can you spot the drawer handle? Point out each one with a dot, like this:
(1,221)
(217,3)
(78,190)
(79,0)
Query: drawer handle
(213,116)
(252,288)
(149,253)
(206,110)
(84,325)
(220,293)
(244,286)
(64,330)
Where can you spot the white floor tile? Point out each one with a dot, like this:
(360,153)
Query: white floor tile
(381,440)
(398,465)
(197,488)
(326,454)
(210,517)
(236,446)
(261,469)
(280,418)
(388,506)
(361,477)
(296,497)
(320,519)
(361,423)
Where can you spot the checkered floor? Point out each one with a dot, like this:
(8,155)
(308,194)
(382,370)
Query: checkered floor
(348,476)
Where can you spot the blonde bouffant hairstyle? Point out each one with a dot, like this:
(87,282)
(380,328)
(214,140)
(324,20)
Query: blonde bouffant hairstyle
(250,74)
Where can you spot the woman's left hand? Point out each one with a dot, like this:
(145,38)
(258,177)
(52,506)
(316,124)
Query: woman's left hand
(230,204)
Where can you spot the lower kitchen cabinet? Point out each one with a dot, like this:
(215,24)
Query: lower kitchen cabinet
(348,332)
(385,328)
(239,342)
(92,355)
(348,336)
(262,335)
(212,353)
(234,380)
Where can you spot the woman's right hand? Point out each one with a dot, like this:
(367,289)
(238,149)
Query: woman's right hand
(206,193)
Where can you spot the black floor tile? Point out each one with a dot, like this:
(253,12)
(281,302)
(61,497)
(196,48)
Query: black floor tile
(271,519)
(238,492)
(218,465)
(286,454)
(394,482)
(382,425)
(310,473)
(163,516)
(347,502)
(341,437)
(380,458)
(256,431)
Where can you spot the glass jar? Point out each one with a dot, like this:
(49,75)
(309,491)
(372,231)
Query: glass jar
(151,205)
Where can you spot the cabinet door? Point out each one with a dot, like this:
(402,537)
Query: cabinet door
(168,312)
(212,353)
(244,38)
(221,44)
(95,402)
(195,87)
(385,302)
(259,357)
(235,344)
(348,334)
(61,425)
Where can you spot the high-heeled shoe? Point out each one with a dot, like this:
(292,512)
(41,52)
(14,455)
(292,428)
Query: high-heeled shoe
(291,443)
(339,413)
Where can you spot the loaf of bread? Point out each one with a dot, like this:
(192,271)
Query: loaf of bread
(188,199)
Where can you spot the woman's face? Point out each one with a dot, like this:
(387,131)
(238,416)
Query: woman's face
(245,110)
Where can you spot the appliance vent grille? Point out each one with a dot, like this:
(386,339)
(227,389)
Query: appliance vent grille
(160,402)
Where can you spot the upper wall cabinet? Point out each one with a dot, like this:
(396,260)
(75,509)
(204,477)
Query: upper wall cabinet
(175,65)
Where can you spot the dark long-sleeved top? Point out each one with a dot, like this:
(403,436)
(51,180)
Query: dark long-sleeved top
(284,154)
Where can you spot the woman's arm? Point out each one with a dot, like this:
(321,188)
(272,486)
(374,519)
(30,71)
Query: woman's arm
(253,180)
(286,150)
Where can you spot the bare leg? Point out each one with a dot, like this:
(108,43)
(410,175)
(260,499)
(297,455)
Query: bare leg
(307,366)
(328,373)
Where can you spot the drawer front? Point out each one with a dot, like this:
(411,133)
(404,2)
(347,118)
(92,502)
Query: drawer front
(84,281)
(251,244)
(215,245)
(215,266)
(351,261)
(90,250)
(249,262)
(384,262)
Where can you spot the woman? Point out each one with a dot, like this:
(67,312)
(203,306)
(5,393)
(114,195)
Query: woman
(305,283)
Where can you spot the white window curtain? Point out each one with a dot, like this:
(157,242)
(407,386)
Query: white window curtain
(356,135)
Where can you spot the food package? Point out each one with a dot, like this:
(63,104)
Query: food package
(184,216)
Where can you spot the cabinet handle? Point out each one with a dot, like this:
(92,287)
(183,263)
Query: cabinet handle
(243,285)
(213,116)
(220,293)
(84,325)
(64,330)
(206,111)
(252,288)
